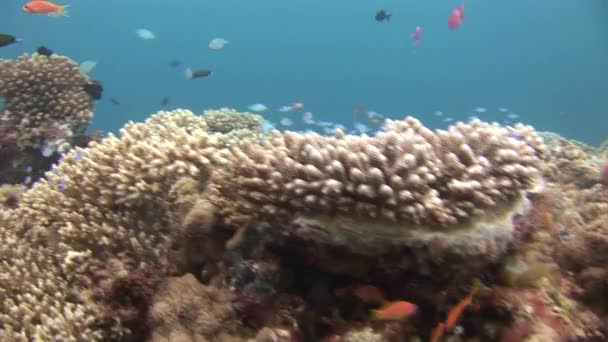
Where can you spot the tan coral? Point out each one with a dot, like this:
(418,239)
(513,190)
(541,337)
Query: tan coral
(111,198)
(405,174)
(446,194)
(44,98)
(226,120)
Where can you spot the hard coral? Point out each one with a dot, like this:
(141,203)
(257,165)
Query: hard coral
(112,198)
(44,99)
(406,186)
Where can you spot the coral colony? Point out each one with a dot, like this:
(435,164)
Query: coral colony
(204,227)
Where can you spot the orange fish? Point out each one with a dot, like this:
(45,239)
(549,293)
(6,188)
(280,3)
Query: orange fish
(45,7)
(456,311)
(437,332)
(394,311)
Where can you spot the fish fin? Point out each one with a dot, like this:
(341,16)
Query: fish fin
(62,10)
(188,73)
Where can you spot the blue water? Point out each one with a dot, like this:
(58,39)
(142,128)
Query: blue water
(544,60)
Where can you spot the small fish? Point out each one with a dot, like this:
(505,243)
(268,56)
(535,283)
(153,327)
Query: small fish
(164,101)
(192,74)
(361,128)
(437,332)
(114,101)
(87,66)
(416,35)
(383,15)
(480,110)
(438,113)
(512,116)
(43,50)
(502,109)
(28,169)
(47,151)
(27,180)
(145,34)
(456,17)
(296,105)
(457,310)
(257,107)
(307,116)
(218,43)
(394,311)
(175,63)
(45,7)
(94,89)
(7,39)
(284,109)
(286,122)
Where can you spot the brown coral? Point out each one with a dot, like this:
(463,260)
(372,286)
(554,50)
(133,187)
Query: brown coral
(188,308)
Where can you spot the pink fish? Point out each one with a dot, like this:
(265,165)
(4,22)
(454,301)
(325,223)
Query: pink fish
(416,35)
(296,105)
(456,17)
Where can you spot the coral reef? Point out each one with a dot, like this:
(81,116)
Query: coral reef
(97,204)
(44,99)
(408,194)
(198,228)
(46,108)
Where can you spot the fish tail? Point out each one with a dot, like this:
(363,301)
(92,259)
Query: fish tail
(375,314)
(62,10)
(188,73)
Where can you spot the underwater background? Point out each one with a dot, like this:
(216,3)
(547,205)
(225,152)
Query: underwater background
(546,61)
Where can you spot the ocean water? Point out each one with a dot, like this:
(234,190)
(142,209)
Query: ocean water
(546,61)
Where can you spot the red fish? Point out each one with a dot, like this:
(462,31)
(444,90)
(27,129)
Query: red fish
(456,17)
(437,332)
(416,35)
(395,311)
(45,7)
(456,311)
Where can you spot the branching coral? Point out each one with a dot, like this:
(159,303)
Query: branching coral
(450,191)
(44,98)
(107,215)
(225,120)
(99,202)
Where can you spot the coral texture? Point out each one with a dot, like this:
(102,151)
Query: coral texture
(407,173)
(111,198)
(44,99)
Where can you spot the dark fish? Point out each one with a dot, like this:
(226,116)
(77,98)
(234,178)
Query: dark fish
(94,89)
(43,50)
(164,101)
(383,15)
(190,74)
(7,39)
(175,63)
(114,101)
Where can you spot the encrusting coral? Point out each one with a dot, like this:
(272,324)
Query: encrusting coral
(44,98)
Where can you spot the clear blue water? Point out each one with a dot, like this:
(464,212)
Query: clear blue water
(544,60)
